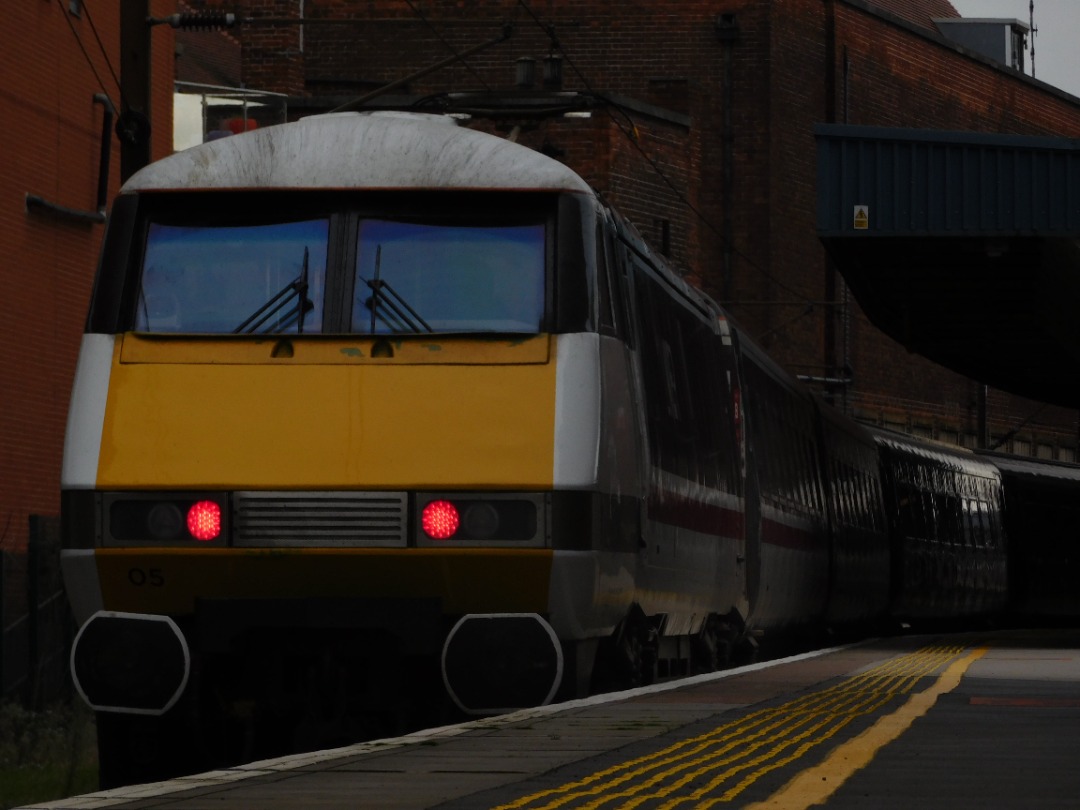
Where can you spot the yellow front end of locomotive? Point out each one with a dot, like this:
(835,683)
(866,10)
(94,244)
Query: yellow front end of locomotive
(327,414)
(320,415)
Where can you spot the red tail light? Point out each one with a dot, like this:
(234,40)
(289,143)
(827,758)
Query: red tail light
(440,520)
(204,520)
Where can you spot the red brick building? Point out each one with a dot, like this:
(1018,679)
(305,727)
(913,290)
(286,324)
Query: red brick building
(60,62)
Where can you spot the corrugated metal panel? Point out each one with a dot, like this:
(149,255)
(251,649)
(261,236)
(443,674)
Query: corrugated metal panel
(931,183)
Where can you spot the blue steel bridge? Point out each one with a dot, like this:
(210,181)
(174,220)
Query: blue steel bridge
(963,247)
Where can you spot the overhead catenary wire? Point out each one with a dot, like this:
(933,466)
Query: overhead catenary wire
(86,54)
(101,47)
(358,103)
(446,42)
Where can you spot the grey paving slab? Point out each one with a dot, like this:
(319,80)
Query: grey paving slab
(1006,735)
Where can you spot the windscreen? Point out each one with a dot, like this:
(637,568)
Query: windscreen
(417,277)
(235,279)
(460,272)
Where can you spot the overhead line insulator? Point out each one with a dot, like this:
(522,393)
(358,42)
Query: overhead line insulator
(198,20)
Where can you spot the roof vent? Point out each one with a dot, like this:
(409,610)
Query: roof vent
(1002,40)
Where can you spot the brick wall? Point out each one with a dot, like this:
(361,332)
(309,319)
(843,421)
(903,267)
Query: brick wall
(271,56)
(50,140)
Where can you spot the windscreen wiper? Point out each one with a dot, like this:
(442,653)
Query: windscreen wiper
(298,287)
(396,312)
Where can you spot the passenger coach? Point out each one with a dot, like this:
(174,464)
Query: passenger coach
(949,550)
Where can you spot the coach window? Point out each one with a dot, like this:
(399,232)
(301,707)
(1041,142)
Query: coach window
(611,297)
(924,515)
(863,516)
(967,524)
(939,516)
(930,529)
(836,489)
(794,489)
(622,284)
(844,505)
(686,399)
(415,277)
(985,525)
(907,505)
(266,278)
(996,538)
(834,493)
(978,508)
(771,459)
(875,496)
(805,483)
(860,506)
(956,519)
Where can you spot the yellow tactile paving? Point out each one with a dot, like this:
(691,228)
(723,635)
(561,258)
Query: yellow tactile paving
(716,767)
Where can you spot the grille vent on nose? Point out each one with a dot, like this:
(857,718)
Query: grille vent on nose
(336,519)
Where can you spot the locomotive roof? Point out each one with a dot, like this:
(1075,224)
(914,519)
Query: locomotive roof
(377,150)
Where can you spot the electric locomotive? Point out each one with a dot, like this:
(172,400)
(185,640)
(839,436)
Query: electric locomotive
(373,409)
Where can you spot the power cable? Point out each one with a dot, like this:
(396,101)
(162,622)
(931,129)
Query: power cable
(445,42)
(101,47)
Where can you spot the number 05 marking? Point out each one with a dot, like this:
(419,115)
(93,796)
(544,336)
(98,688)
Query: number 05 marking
(142,577)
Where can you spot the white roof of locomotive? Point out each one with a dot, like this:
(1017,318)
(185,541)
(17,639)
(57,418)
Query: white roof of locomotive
(379,150)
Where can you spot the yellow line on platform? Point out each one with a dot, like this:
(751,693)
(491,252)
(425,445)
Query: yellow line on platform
(817,784)
(717,766)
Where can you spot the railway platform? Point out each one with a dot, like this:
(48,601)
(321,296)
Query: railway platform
(987,720)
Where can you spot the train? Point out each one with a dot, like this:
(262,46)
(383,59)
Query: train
(380,420)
